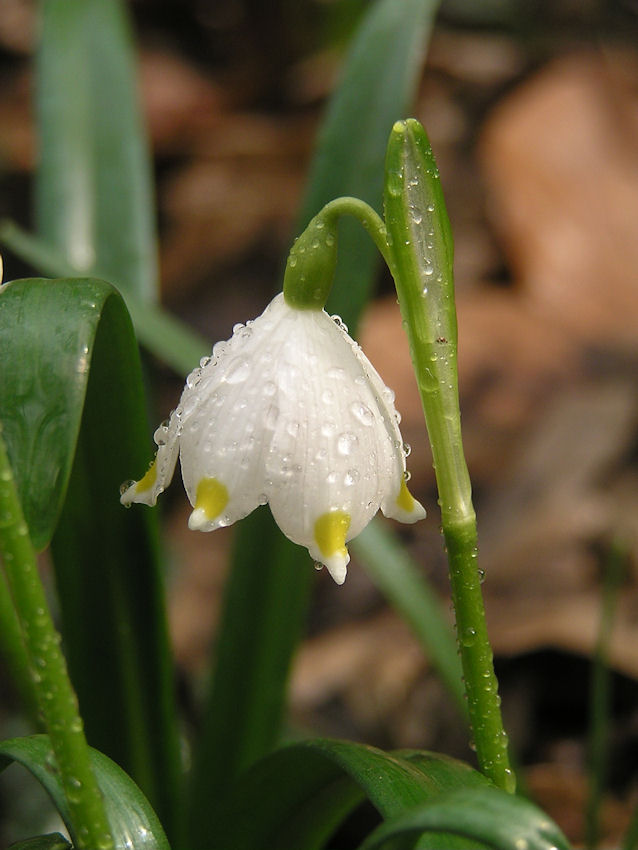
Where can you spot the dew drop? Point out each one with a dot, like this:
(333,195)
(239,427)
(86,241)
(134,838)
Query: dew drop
(339,323)
(238,370)
(125,486)
(362,413)
(328,428)
(347,443)
(388,395)
(336,373)
(327,396)
(351,477)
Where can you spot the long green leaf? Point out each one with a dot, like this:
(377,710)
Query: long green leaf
(297,797)
(132,819)
(162,334)
(270,578)
(377,88)
(94,199)
(72,409)
(486,816)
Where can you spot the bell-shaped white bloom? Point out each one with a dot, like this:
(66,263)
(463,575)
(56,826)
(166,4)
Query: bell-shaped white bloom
(288,412)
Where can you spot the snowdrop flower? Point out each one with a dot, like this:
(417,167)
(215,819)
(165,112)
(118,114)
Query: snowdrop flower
(291,413)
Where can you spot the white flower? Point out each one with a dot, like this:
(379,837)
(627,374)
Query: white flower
(288,412)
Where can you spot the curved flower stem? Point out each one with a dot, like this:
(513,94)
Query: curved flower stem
(56,698)
(421,244)
(313,257)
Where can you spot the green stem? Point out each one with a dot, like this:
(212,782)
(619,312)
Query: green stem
(313,257)
(421,244)
(14,653)
(56,699)
(600,694)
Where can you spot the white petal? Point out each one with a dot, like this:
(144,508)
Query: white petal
(227,431)
(160,473)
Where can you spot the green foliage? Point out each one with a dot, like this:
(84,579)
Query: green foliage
(485,816)
(94,198)
(133,822)
(72,411)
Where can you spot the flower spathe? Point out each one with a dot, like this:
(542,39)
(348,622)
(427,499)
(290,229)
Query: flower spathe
(288,412)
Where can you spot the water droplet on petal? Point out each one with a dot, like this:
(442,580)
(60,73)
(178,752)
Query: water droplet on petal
(238,370)
(347,443)
(269,389)
(125,486)
(362,413)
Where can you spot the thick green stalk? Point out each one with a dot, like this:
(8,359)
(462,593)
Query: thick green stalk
(422,260)
(56,698)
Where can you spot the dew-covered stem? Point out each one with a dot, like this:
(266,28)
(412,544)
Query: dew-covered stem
(56,698)
(422,264)
(313,257)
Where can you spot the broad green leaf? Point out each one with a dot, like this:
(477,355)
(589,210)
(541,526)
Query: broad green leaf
(377,87)
(162,334)
(299,795)
(94,198)
(270,578)
(73,416)
(51,841)
(486,816)
(131,817)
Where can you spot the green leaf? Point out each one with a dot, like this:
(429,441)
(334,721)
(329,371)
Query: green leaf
(299,795)
(72,410)
(271,578)
(162,334)
(377,87)
(52,841)
(133,822)
(487,815)
(94,198)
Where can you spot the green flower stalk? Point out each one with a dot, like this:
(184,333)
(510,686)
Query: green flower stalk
(422,264)
(55,695)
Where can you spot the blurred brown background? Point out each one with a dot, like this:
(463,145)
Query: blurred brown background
(532,110)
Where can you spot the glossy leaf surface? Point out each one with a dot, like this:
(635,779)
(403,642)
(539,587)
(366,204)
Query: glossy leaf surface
(72,409)
(133,822)
(486,816)
(94,198)
(299,795)
(377,87)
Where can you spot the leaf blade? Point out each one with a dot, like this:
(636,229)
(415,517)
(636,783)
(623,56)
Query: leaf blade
(133,821)
(68,346)
(94,196)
